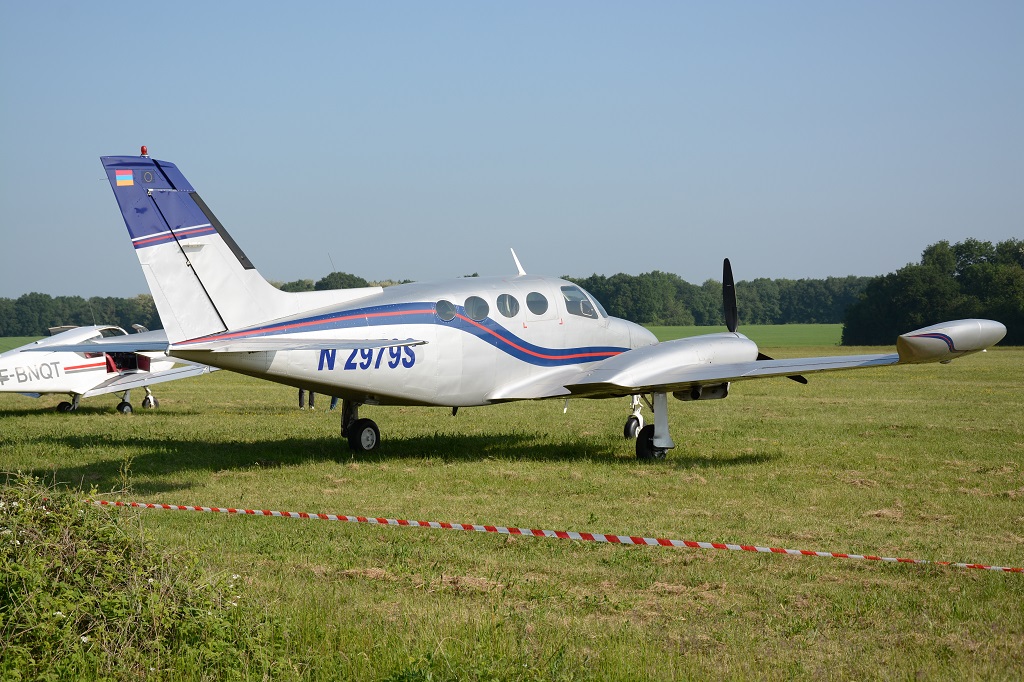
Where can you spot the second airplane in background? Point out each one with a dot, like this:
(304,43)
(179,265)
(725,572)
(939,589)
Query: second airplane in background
(64,364)
(463,342)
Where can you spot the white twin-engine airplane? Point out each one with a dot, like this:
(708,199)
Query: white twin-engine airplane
(53,365)
(470,341)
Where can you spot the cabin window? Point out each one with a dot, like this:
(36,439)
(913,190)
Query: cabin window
(577,303)
(536,302)
(445,310)
(477,308)
(508,305)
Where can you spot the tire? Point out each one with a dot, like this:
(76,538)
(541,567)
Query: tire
(65,407)
(124,407)
(645,449)
(363,436)
(150,403)
(632,428)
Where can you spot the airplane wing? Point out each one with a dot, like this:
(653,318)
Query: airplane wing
(602,382)
(125,382)
(685,365)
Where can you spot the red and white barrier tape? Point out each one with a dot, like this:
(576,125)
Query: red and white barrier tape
(561,534)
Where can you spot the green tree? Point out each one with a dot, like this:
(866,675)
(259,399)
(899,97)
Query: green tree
(970,279)
(340,280)
(299,285)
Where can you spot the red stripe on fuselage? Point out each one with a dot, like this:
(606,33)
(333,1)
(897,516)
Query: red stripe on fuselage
(307,323)
(600,354)
(95,364)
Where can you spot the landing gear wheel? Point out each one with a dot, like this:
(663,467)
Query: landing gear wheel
(363,435)
(65,407)
(124,407)
(645,449)
(632,428)
(150,402)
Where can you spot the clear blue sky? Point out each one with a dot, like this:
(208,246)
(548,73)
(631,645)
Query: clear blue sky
(421,140)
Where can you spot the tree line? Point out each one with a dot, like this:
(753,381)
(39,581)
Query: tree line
(33,314)
(662,298)
(655,298)
(969,279)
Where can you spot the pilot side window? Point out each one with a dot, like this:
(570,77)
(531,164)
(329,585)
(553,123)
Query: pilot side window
(445,310)
(477,308)
(508,305)
(536,302)
(577,303)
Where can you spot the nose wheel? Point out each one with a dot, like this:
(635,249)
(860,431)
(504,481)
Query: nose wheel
(150,402)
(635,422)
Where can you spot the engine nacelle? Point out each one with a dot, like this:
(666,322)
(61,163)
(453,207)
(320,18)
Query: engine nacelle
(699,392)
(948,340)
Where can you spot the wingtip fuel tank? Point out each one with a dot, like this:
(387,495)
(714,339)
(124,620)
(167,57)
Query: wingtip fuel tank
(948,340)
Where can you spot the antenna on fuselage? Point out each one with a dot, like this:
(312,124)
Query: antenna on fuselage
(519,266)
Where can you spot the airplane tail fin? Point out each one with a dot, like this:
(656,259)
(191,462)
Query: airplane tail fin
(201,281)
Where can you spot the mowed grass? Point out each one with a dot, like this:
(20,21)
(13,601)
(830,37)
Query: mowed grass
(923,462)
(9,342)
(773,335)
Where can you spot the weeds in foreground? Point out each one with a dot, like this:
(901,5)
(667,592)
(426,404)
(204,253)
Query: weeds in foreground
(83,595)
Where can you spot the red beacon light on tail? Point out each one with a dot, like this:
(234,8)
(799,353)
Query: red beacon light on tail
(145,152)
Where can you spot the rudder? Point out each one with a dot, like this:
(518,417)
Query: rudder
(202,283)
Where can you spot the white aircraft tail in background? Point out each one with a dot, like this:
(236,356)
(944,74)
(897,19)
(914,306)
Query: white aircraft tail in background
(462,342)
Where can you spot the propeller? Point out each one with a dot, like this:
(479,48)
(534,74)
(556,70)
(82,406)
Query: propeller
(732,314)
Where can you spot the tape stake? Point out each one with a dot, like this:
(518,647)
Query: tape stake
(559,534)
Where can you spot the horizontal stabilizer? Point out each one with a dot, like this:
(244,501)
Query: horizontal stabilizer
(145,342)
(126,382)
(291,343)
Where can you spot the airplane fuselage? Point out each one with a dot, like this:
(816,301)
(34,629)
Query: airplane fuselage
(481,335)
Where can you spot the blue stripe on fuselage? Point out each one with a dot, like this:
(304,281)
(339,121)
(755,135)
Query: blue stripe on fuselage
(487,330)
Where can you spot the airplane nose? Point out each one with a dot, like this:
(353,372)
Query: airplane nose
(640,336)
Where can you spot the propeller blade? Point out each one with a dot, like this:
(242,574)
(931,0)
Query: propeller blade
(798,378)
(732,314)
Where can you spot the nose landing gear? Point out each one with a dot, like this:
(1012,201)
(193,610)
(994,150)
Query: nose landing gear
(635,422)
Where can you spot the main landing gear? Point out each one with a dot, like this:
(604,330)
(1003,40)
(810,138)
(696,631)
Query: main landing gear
(65,406)
(362,434)
(148,403)
(652,441)
(124,407)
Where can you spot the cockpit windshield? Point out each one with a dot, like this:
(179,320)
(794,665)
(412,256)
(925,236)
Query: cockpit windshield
(578,302)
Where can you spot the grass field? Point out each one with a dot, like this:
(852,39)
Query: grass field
(766,335)
(924,462)
(9,342)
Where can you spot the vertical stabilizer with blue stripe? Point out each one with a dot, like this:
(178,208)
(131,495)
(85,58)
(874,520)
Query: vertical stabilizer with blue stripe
(201,281)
